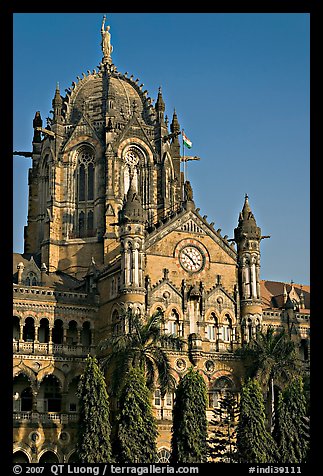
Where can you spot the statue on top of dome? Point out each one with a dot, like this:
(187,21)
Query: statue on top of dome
(106,41)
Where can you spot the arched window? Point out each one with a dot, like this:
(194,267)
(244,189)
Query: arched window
(31,279)
(116,323)
(29,330)
(163,456)
(213,328)
(43,332)
(219,388)
(304,349)
(86,334)
(50,394)
(85,192)
(227,328)
(16,328)
(58,332)
(26,400)
(174,323)
(22,394)
(71,336)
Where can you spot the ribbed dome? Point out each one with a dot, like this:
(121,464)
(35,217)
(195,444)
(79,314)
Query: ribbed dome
(109,92)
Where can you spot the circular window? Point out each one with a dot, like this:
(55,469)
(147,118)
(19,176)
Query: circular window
(181,365)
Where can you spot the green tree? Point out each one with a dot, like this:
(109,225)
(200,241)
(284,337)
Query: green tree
(137,428)
(254,443)
(93,445)
(283,432)
(222,443)
(271,358)
(189,431)
(143,346)
(291,429)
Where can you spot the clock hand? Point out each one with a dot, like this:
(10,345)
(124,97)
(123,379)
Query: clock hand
(189,257)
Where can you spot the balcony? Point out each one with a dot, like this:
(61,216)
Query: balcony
(38,348)
(45,417)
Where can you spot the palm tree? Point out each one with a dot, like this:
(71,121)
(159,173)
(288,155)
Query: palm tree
(271,358)
(144,346)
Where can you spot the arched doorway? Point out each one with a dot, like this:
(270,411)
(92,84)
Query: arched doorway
(20,457)
(73,458)
(29,330)
(86,334)
(48,457)
(16,328)
(58,332)
(22,394)
(43,333)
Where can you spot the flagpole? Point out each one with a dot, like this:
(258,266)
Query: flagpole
(184,163)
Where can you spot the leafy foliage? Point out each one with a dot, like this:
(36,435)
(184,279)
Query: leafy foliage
(144,347)
(137,428)
(222,444)
(93,445)
(189,431)
(254,443)
(271,355)
(271,358)
(291,429)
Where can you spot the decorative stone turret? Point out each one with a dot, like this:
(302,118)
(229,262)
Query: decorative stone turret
(132,221)
(247,236)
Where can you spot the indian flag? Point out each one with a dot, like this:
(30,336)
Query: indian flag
(186,141)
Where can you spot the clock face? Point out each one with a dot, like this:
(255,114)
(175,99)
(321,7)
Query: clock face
(191,259)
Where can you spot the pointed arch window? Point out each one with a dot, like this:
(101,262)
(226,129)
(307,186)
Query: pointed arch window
(220,387)
(85,192)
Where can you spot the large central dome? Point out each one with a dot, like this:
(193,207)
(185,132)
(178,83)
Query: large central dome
(107,93)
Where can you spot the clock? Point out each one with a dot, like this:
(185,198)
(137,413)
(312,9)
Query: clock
(131,158)
(191,258)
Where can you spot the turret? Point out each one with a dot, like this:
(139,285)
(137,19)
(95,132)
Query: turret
(132,229)
(37,123)
(160,107)
(175,129)
(57,104)
(247,236)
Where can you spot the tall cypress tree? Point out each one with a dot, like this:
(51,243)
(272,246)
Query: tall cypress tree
(254,443)
(222,443)
(137,427)
(93,445)
(283,432)
(295,399)
(189,431)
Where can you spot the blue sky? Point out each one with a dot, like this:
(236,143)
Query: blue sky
(239,83)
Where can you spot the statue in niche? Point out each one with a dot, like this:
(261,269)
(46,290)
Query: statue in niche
(188,191)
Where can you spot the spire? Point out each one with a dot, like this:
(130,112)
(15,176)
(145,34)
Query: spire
(57,103)
(247,224)
(160,106)
(175,129)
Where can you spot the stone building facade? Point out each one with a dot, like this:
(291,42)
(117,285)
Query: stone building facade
(112,226)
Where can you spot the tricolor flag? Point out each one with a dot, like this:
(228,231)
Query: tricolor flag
(186,141)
